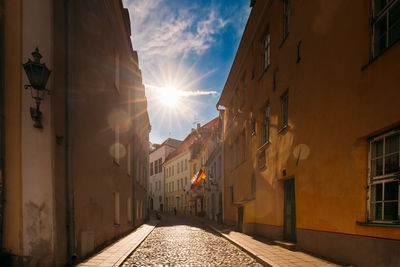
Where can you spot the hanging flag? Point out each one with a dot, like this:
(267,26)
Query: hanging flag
(200,176)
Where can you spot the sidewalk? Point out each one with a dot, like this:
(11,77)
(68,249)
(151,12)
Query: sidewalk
(116,253)
(268,253)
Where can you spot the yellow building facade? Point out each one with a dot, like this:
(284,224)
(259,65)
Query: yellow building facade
(176,173)
(311,128)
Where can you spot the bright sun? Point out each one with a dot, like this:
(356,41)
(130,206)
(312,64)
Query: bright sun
(169,96)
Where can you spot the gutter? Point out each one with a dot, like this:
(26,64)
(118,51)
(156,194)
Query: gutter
(68,171)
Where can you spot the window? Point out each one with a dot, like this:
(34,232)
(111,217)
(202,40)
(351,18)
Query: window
(186,181)
(177,185)
(285,103)
(186,164)
(231,189)
(173,169)
(265,124)
(194,168)
(160,165)
(151,168)
(383,159)
(116,208)
(177,168)
(181,183)
(286,15)
(266,50)
(156,167)
(181,165)
(173,186)
(385,25)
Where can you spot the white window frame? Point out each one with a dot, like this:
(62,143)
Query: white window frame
(376,17)
(381,179)
(265,124)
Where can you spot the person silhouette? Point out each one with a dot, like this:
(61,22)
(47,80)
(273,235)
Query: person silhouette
(175,211)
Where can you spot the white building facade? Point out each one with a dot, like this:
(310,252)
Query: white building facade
(156,173)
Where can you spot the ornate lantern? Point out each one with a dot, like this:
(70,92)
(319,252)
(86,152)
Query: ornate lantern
(38,75)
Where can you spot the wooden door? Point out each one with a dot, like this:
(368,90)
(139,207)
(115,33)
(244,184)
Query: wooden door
(289,219)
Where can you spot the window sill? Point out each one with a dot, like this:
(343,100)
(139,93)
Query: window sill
(264,71)
(264,146)
(378,224)
(284,39)
(373,59)
(283,129)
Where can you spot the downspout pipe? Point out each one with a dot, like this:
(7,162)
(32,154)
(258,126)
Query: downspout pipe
(2,183)
(68,170)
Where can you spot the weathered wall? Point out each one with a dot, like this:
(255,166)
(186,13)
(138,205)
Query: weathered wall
(100,45)
(12,231)
(37,144)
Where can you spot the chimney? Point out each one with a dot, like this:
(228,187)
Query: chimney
(252,3)
(198,126)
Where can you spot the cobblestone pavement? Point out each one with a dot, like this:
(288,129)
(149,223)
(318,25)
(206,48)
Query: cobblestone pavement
(183,242)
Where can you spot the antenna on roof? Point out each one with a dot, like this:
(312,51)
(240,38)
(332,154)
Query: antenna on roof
(195,121)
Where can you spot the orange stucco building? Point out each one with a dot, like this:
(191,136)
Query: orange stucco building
(311,128)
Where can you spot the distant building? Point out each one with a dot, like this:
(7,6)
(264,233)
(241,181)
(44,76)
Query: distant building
(156,184)
(80,181)
(200,150)
(312,128)
(176,173)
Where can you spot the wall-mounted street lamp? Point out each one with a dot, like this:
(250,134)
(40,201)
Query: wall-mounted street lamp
(38,75)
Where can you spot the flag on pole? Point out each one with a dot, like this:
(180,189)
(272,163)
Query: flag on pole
(200,176)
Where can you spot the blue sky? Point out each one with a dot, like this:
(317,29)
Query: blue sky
(188,45)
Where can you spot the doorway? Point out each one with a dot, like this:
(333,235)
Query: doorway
(289,212)
(240,219)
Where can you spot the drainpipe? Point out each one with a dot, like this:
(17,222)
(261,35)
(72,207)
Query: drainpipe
(68,170)
(2,183)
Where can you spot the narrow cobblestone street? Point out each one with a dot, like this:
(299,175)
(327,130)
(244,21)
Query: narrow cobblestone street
(182,242)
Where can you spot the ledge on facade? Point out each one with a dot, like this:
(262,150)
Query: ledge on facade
(395,224)
(283,129)
(284,40)
(243,201)
(264,146)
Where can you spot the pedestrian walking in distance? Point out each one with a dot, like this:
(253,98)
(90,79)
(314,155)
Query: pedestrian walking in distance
(175,211)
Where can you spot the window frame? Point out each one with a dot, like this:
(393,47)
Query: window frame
(376,18)
(286,18)
(285,110)
(266,50)
(265,124)
(382,179)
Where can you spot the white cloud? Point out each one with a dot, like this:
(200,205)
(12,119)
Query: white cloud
(183,93)
(160,31)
